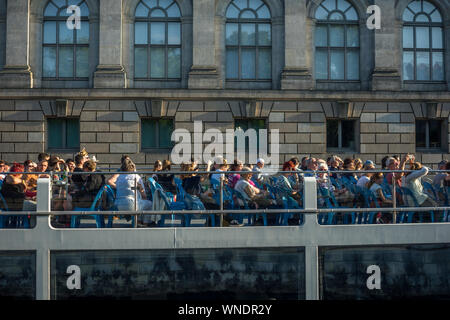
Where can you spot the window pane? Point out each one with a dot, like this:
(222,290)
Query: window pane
(157,62)
(149,134)
(51,10)
(157,13)
(232,64)
(415,6)
(422,37)
(49,62)
(435,133)
(332,133)
(248,34)
(173,11)
(232,12)
(248,63)
(351,14)
(83,33)
(343,5)
(55,133)
(422,18)
(151,3)
(337,65)
(255,4)
(438,66)
(165,3)
(423,66)
(336,16)
(263,13)
(232,34)
(265,64)
(65,34)
(174,33)
(141,33)
(408,37)
(142,11)
(437,38)
(428,7)
(174,62)
(352,36)
(336,36)
(82,62)
(264,36)
(321,64)
(321,13)
(348,134)
(72,133)
(165,133)
(408,65)
(248,15)
(321,36)
(436,16)
(352,65)
(329,4)
(140,63)
(84,10)
(50,32)
(158,33)
(65,63)
(408,15)
(421,133)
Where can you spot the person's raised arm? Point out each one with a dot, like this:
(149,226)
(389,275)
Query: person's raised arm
(112,181)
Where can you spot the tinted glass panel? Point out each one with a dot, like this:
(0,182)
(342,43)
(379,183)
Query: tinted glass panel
(141,33)
(264,36)
(265,64)
(435,133)
(248,34)
(194,274)
(437,38)
(423,65)
(408,65)
(352,36)
(232,34)
(248,63)
(18,275)
(50,32)
(352,65)
(158,33)
(83,33)
(332,133)
(65,63)
(421,127)
(321,36)
(174,62)
(337,64)
(82,57)
(49,62)
(422,37)
(149,134)
(165,133)
(348,134)
(438,66)
(73,133)
(336,36)
(408,37)
(140,62)
(65,34)
(321,64)
(55,132)
(157,61)
(232,63)
(174,33)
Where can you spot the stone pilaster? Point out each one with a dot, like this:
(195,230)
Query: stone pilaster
(388,48)
(110,72)
(204,71)
(297,71)
(17,72)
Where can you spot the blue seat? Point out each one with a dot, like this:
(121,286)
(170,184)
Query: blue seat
(241,217)
(407,195)
(95,206)
(168,199)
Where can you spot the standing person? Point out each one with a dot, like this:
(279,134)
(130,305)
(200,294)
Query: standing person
(130,187)
(413,181)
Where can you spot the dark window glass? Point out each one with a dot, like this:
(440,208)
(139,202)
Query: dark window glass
(421,129)
(63,133)
(255,124)
(435,134)
(333,134)
(157,133)
(341,134)
(348,134)
(429,134)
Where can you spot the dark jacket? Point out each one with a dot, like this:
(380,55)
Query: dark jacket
(14,195)
(87,192)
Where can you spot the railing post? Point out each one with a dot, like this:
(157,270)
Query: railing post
(43,204)
(311,250)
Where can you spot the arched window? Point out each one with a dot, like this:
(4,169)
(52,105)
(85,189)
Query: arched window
(65,48)
(423,42)
(248,41)
(157,40)
(336,41)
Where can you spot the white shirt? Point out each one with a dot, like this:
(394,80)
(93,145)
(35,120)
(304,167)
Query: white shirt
(362,182)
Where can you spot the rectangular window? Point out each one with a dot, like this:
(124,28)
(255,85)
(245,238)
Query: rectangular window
(429,134)
(63,133)
(156,133)
(245,125)
(342,135)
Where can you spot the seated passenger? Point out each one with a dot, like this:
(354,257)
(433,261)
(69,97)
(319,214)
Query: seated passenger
(284,185)
(234,178)
(167,180)
(365,178)
(14,190)
(84,197)
(374,185)
(256,198)
(412,181)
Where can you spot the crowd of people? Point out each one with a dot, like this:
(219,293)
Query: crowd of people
(341,183)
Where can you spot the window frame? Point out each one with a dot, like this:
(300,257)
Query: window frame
(57,45)
(356,133)
(149,21)
(430,50)
(442,135)
(158,148)
(63,148)
(256,21)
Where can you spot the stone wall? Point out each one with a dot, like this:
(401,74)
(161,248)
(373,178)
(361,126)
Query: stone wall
(111,128)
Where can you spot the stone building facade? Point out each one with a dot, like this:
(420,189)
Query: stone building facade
(111,103)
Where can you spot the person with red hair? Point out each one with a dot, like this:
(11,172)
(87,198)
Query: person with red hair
(285,186)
